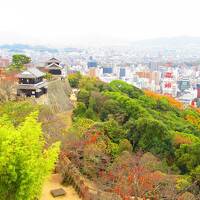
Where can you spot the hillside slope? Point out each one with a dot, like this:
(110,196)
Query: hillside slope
(116,117)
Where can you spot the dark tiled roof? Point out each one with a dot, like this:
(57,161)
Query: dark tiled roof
(54,65)
(31,73)
(53,60)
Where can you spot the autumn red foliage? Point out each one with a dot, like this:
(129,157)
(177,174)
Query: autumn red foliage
(128,178)
(10,76)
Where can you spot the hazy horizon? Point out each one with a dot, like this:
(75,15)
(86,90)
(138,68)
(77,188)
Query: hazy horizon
(67,22)
(98,40)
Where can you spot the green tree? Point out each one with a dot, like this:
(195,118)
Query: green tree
(112,107)
(19,60)
(97,99)
(113,149)
(114,131)
(109,107)
(183,182)
(132,107)
(80,110)
(24,163)
(83,96)
(91,84)
(17,111)
(90,114)
(80,126)
(48,76)
(150,135)
(125,145)
(187,157)
(74,79)
(121,86)
(196,173)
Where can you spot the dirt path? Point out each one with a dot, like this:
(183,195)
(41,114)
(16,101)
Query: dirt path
(55,180)
(54,183)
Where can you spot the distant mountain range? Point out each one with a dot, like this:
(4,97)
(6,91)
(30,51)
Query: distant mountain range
(170,42)
(23,47)
(161,43)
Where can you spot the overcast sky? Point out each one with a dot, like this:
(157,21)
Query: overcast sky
(63,22)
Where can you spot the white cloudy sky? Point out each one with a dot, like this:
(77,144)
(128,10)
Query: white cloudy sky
(62,22)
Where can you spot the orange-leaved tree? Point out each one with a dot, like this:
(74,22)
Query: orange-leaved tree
(173,102)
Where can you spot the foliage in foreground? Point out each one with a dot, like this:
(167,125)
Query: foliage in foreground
(24,162)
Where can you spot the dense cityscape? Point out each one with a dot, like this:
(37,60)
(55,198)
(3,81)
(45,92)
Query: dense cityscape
(173,71)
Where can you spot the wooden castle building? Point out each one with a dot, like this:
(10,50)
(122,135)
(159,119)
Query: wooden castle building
(54,67)
(31,83)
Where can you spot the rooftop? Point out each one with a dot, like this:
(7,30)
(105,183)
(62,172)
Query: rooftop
(53,60)
(31,73)
(54,66)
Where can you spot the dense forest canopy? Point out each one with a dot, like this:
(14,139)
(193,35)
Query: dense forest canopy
(119,116)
